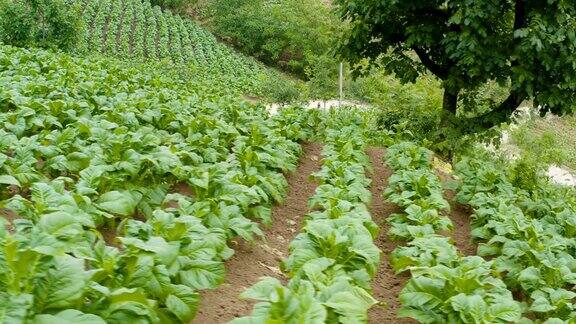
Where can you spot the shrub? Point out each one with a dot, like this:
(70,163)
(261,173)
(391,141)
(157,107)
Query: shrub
(322,76)
(289,33)
(171,4)
(524,173)
(414,107)
(282,92)
(41,23)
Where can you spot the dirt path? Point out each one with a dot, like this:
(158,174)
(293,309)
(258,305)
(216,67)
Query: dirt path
(386,285)
(460,216)
(262,258)
(322,105)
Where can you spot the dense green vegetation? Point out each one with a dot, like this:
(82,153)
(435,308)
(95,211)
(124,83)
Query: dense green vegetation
(547,140)
(527,232)
(292,34)
(300,36)
(135,29)
(93,154)
(444,286)
(333,259)
(468,44)
(43,23)
(131,165)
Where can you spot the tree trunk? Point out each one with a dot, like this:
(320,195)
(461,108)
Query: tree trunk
(450,101)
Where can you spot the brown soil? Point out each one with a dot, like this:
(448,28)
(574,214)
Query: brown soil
(132,41)
(460,216)
(10,216)
(109,236)
(116,46)
(262,258)
(183,189)
(251,99)
(386,285)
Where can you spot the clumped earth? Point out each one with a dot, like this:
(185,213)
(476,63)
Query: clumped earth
(386,284)
(262,258)
(460,217)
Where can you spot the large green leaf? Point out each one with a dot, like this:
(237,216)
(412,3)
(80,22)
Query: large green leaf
(179,308)
(183,296)
(263,289)
(69,316)
(352,305)
(9,180)
(202,274)
(15,309)
(122,203)
(63,285)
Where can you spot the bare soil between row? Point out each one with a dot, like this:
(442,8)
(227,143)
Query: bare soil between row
(263,257)
(252,261)
(386,284)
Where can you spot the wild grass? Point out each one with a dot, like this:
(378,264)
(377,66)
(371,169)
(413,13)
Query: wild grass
(549,140)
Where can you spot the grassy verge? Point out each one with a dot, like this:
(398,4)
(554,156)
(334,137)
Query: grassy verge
(550,140)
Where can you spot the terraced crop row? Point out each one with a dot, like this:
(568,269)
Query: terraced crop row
(333,259)
(134,29)
(444,286)
(528,234)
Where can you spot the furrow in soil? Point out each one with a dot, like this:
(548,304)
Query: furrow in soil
(252,261)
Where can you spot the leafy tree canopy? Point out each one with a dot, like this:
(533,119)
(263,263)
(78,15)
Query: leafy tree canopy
(527,45)
(42,23)
(291,34)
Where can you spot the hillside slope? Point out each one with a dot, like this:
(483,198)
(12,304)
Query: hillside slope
(135,30)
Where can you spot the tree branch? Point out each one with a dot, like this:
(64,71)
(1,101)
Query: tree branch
(520,18)
(503,112)
(438,70)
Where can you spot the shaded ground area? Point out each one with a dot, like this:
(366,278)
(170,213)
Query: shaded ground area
(262,258)
(386,285)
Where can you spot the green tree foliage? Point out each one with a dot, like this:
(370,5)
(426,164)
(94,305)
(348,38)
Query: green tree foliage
(289,33)
(42,23)
(172,4)
(525,45)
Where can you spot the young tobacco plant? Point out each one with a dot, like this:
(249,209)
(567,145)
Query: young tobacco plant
(408,156)
(426,251)
(466,293)
(417,222)
(416,187)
